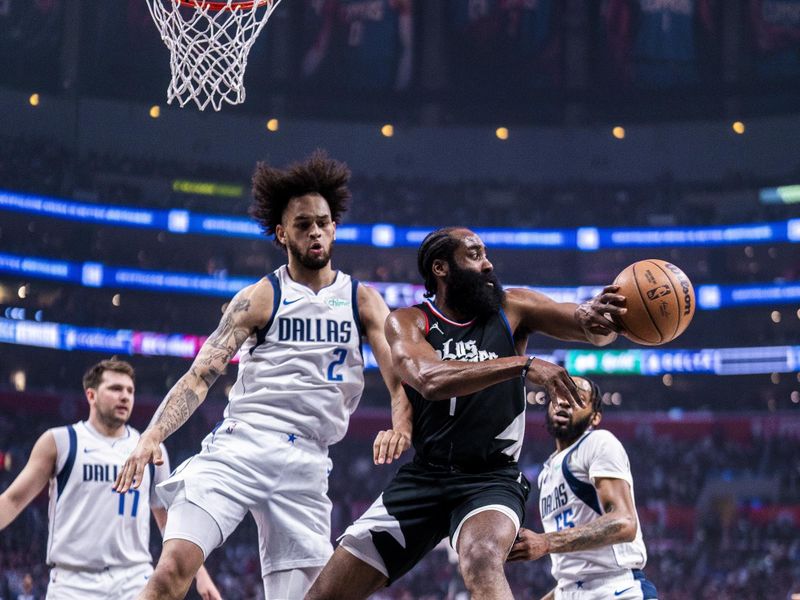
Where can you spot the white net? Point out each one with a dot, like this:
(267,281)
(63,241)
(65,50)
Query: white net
(208,44)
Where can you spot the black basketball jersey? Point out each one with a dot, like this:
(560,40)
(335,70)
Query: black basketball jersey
(479,431)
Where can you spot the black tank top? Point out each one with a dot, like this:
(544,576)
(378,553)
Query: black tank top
(482,430)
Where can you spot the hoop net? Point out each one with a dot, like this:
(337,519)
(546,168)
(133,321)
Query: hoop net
(208,44)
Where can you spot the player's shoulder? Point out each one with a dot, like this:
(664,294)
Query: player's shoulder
(406,316)
(366,292)
(602,440)
(62,432)
(518,298)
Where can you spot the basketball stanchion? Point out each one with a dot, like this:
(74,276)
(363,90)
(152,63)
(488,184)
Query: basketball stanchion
(208,44)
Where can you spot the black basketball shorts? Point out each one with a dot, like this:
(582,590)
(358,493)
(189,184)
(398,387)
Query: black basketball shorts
(422,505)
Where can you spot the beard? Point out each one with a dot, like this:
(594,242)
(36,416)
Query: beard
(469,295)
(308,261)
(569,432)
(110,419)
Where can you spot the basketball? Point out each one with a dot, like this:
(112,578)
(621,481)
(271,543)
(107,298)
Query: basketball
(660,301)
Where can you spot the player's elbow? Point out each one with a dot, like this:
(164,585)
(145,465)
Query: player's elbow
(628,529)
(431,385)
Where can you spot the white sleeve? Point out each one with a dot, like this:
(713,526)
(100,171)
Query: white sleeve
(607,457)
(160,473)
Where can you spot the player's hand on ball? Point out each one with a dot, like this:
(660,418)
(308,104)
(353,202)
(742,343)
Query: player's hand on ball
(389,445)
(148,450)
(597,314)
(528,546)
(555,380)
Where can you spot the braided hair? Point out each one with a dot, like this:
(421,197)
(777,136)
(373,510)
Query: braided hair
(437,245)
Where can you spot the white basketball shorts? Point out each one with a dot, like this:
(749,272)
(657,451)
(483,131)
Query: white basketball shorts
(626,585)
(113,583)
(281,478)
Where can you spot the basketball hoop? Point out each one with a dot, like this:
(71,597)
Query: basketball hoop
(208,44)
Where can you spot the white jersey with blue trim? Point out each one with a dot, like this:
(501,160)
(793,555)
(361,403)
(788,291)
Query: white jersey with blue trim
(303,373)
(567,498)
(92,526)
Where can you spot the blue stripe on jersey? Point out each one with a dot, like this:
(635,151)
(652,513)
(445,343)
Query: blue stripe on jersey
(649,591)
(261,334)
(508,327)
(356,316)
(584,491)
(63,476)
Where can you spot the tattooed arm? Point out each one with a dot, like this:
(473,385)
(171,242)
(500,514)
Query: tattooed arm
(617,524)
(249,310)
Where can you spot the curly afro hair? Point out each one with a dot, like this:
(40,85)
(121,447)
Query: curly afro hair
(274,188)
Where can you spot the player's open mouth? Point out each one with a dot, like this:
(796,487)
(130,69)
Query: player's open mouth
(562,415)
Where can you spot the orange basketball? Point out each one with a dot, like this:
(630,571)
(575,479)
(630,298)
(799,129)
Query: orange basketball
(660,301)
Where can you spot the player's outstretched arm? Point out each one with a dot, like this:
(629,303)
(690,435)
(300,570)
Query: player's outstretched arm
(586,322)
(31,480)
(250,309)
(616,525)
(390,444)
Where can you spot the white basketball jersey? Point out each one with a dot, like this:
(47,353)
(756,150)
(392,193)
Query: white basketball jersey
(303,373)
(92,526)
(567,498)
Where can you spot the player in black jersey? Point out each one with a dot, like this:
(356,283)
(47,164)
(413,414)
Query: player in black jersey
(461,356)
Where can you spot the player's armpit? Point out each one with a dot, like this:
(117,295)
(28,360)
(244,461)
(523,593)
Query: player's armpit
(31,480)
(549,595)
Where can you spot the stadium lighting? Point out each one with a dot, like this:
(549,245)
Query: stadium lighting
(618,132)
(738,127)
(19,380)
(23,290)
(775,378)
(155,111)
(387,130)
(34,99)
(116,300)
(795,396)
(667,380)
(501,133)
(273,125)
(775,315)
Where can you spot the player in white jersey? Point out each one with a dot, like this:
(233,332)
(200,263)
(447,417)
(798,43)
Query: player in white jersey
(588,510)
(98,539)
(298,333)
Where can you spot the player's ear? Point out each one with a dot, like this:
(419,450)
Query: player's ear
(440,267)
(280,233)
(596,418)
